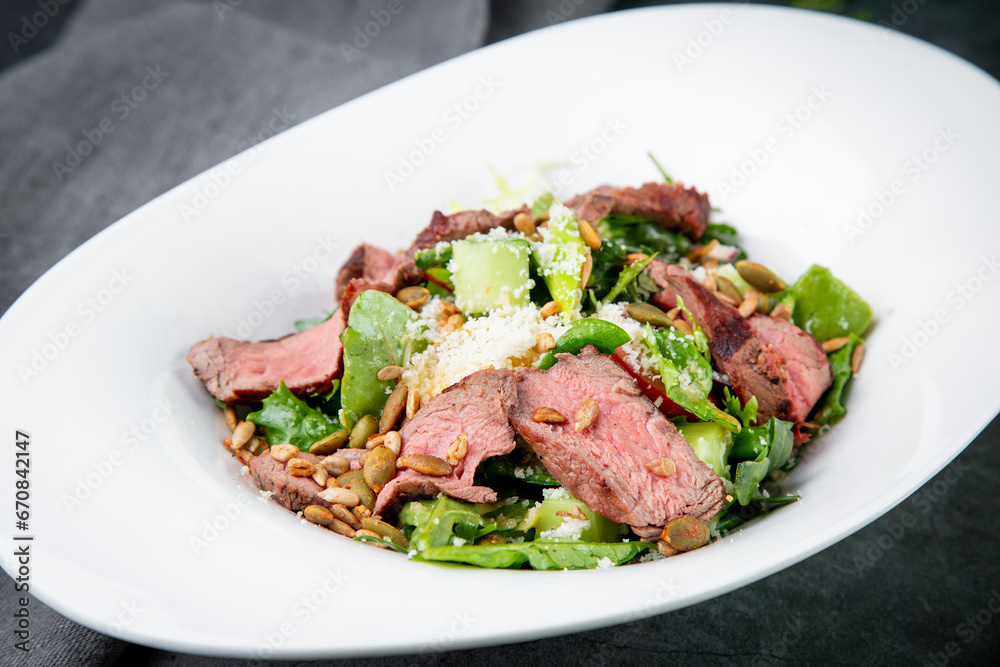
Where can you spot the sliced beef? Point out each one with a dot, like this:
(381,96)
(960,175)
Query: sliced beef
(462,224)
(776,362)
(478,406)
(373,265)
(236,371)
(670,205)
(604,465)
(294,493)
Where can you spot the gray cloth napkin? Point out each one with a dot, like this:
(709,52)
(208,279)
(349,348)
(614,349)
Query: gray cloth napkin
(215,77)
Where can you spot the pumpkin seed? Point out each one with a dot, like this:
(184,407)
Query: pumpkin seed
(394,407)
(384,530)
(647,313)
(318,514)
(585,414)
(300,467)
(336,465)
(283,452)
(726,286)
(550,309)
(414,296)
(759,276)
(242,434)
(589,235)
(426,464)
(524,224)
(360,487)
(365,428)
(686,533)
(380,467)
(547,416)
(345,497)
(330,443)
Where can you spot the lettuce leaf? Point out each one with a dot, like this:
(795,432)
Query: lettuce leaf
(289,419)
(438,522)
(605,336)
(827,308)
(763,448)
(831,407)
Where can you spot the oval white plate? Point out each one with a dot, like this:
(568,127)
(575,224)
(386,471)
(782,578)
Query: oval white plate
(145,528)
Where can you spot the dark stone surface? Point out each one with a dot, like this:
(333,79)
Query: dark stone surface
(886,595)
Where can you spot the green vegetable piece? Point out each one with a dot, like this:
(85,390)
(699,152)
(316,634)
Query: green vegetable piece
(605,336)
(288,419)
(372,341)
(711,442)
(686,373)
(560,259)
(490,274)
(438,522)
(306,323)
(827,308)
(503,466)
(749,475)
(546,517)
(542,204)
(441,283)
(831,407)
(768,447)
(659,168)
(539,555)
(626,277)
(433,256)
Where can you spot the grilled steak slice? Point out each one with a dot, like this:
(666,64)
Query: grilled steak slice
(373,265)
(777,363)
(670,205)
(477,406)
(459,225)
(294,493)
(604,465)
(236,371)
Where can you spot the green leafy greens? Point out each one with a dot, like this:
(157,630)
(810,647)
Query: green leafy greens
(289,419)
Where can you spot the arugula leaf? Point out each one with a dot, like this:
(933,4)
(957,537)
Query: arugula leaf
(605,336)
(765,448)
(626,277)
(644,235)
(659,168)
(686,374)
(289,419)
(539,555)
(832,408)
(328,403)
(372,340)
(438,522)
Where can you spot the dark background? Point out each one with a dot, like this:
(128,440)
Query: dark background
(886,595)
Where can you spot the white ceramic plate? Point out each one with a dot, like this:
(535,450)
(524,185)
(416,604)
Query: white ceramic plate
(145,528)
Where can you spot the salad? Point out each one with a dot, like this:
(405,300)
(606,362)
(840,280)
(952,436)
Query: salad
(577,384)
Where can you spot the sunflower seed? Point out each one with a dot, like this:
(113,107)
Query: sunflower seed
(585,414)
(544,342)
(835,344)
(283,452)
(857,356)
(300,467)
(458,449)
(662,467)
(589,235)
(394,407)
(390,373)
(345,497)
(524,224)
(550,309)
(232,421)
(748,307)
(547,416)
(242,434)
